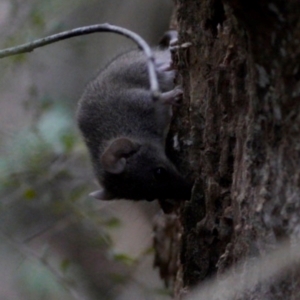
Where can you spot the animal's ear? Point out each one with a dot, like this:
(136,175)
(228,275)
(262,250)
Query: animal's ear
(115,155)
(101,195)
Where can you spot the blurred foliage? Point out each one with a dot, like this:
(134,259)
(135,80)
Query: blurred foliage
(34,19)
(56,242)
(44,198)
(44,206)
(38,282)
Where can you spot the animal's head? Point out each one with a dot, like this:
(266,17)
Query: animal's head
(138,170)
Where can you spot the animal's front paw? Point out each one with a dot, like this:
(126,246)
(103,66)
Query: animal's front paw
(172,97)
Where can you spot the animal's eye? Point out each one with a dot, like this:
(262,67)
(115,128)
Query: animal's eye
(160,173)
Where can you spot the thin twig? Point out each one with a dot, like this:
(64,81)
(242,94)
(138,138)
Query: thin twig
(28,47)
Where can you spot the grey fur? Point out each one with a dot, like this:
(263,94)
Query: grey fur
(125,130)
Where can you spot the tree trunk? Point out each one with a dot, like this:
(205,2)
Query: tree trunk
(239,130)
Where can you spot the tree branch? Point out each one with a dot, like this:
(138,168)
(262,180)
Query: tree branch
(28,47)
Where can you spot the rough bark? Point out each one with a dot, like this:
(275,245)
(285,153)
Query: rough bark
(239,132)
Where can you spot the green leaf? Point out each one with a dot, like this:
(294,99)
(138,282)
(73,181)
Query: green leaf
(65,264)
(101,240)
(124,258)
(37,19)
(112,223)
(68,140)
(118,278)
(149,251)
(30,194)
